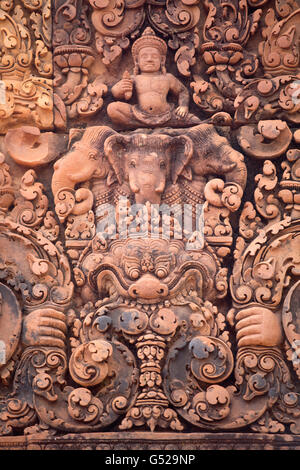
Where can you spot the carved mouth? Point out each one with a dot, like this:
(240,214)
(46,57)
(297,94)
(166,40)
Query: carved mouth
(182,298)
(186,282)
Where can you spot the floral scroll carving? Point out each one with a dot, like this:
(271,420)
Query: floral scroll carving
(149,217)
(26,75)
(116,21)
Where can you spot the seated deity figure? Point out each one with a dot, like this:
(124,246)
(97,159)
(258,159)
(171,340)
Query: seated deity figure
(152,85)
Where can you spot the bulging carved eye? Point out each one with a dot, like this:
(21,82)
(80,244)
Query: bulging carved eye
(162,165)
(161,271)
(132,267)
(92,155)
(134,273)
(132,164)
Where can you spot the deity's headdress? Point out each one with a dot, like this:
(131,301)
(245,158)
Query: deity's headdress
(149,39)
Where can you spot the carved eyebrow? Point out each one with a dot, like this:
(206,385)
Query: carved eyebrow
(162,258)
(131,259)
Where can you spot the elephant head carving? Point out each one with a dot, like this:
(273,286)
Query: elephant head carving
(147,162)
(84,160)
(214,155)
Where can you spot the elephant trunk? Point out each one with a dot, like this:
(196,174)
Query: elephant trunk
(160,188)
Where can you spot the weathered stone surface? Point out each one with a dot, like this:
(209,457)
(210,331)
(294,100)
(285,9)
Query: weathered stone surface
(149,224)
(153,441)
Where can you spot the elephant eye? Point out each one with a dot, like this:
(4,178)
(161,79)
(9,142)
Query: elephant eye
(162,165)
(132,164)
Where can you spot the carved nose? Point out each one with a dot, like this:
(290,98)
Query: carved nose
(148,287)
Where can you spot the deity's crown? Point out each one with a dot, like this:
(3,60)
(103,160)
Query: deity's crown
(149,39)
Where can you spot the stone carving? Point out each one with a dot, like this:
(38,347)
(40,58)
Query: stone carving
(11,319)
(152,85)
(115,21)
(149,242)
(146,163)
(29,147)
(27,93)
(279,51)
(255,140)
(229,64)
(73,57)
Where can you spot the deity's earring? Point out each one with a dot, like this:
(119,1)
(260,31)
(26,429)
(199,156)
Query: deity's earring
(136,67)
(163,66)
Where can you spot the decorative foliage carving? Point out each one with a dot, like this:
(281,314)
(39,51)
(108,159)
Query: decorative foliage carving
(27,146)
(289,193)
(272,139)
(74,94)
(262,98)
(27,94)
(88,364)
(279,51)
(149,244)
(226,32)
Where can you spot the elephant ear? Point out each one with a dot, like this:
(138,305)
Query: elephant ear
(114,149)
(182,151)
(74,136)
